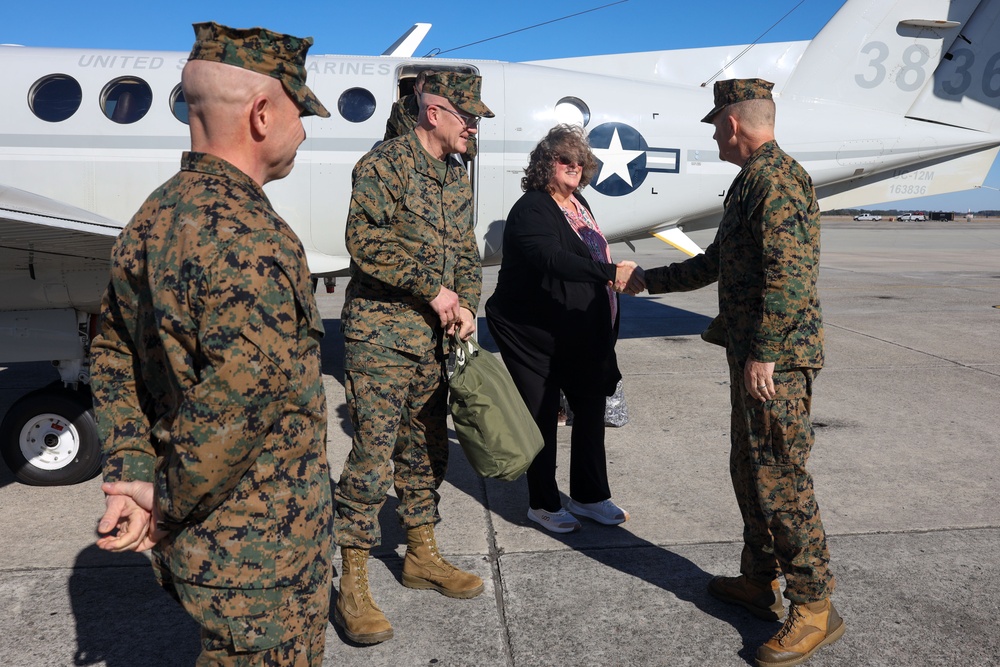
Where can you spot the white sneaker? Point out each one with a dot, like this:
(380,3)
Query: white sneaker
(605,512)
(557,522)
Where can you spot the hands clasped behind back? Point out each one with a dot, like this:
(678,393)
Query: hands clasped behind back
(129,522)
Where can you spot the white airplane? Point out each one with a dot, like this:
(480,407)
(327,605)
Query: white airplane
(891,100)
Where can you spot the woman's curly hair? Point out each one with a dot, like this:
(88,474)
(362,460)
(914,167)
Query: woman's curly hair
(561,141)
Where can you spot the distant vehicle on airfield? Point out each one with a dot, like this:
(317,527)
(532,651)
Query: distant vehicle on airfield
(912,217)
(867,216)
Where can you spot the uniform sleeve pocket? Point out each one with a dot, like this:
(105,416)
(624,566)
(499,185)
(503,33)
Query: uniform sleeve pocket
(273,349)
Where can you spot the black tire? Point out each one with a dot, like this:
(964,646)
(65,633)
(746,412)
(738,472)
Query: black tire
(49,438)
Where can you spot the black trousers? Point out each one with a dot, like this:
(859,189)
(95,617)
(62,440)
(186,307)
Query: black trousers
(539,382)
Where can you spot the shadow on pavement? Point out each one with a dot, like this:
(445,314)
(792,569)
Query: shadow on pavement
(332,350)
(123,618)
(618,549)
(612,546)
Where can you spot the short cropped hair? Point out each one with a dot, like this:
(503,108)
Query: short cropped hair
(754,113)
(562,140)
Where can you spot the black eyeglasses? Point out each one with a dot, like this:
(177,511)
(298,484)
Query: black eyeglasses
(468,121)
(565,160)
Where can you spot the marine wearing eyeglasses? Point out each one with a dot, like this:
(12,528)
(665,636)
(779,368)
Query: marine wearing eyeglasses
(415,278)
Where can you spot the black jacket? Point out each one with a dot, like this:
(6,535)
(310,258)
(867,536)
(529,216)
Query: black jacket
(551,304)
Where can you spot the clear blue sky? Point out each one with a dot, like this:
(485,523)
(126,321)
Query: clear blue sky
(368,27)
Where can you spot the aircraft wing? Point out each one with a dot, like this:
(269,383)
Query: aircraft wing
(39,233)
(52,255)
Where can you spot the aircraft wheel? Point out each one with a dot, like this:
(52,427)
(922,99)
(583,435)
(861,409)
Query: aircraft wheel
(49,438)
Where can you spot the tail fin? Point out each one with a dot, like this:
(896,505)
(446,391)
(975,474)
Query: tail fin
(936,60)
(966,89)
(408,41)
(933,61)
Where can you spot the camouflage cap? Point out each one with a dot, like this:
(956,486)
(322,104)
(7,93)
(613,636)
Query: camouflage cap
(258,50)
(461,89)
(731,91)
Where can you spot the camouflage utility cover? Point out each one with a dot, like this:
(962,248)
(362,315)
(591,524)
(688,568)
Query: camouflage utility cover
(731,91)
(461,89)
(259,50)
(206,379)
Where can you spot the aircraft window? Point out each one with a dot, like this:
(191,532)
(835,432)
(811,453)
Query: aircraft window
(572,110)
(356,105)
(178,105)
(126,100)
(55,98)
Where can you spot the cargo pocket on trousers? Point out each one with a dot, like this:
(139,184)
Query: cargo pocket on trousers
(258,620)
(264,631)
(774,437)
(788,427)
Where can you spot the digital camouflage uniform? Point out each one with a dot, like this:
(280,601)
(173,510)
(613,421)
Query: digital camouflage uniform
(765,257)
(408,234)
(206,379)
(403,118)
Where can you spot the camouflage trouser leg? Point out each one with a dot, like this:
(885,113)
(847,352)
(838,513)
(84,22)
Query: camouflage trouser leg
(398,408)
(771,443)
(268,627)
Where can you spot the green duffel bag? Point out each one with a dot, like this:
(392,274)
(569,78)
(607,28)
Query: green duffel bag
(493,425)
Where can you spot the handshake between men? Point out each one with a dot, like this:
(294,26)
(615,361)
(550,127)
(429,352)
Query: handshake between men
(629,278)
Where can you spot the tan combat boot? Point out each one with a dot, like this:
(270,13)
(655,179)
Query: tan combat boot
(762,599)
(423,567)
(808,628)
(363,622)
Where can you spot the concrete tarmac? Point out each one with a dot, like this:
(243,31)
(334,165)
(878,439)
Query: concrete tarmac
(906,471)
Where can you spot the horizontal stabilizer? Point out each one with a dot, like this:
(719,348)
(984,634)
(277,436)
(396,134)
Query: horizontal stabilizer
(933,177)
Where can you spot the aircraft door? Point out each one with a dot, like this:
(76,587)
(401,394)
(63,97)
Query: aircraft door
(487,173)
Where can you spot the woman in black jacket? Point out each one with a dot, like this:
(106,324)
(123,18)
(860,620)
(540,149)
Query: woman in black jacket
(554,316)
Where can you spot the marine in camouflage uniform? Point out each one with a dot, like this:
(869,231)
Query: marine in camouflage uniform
(402,117)
(765,257)
(207,384)
(410,233)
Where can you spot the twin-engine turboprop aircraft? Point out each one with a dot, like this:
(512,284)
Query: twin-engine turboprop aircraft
(893,99)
